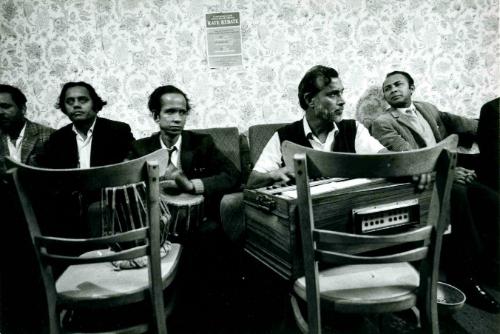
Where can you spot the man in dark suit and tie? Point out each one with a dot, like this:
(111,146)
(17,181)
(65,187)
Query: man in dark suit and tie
(197,167)
(410,125)
(88,141)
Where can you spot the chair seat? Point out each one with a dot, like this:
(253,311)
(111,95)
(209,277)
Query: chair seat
(102,281)
(364,283)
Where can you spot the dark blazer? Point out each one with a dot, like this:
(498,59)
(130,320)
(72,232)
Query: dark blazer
(111,143)
(396,132)
(35,136)
(488,141)
(200,159)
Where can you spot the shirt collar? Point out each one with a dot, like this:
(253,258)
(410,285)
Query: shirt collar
(177,144)
(89,132)
(404,111)
(308,132)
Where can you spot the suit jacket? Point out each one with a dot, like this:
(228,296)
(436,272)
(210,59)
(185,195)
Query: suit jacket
(395,131)
(111,142)
(489,141)
(35,136)
(200,159)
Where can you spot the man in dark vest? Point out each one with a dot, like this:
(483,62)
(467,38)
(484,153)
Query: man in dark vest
(322,128)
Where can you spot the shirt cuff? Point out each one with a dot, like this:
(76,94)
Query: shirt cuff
(198,186)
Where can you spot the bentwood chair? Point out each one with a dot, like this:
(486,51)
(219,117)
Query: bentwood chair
(90,280)
(403,271)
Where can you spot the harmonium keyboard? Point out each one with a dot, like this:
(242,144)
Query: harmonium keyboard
(348,205)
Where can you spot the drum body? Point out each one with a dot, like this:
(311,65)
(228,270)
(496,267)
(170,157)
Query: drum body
(187,214)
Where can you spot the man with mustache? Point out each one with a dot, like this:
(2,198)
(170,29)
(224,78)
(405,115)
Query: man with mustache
(410,125)
(88,141)
(322,128)
(20,139)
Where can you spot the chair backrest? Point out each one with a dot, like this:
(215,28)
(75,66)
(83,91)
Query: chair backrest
(227,141)
(421,243)
(53,251)
(258,136)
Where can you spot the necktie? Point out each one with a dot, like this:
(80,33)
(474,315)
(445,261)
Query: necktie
(171,151)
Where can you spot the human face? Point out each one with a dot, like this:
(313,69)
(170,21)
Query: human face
(397,91)
(173,114)
(79,105)
(10,113)
(328,104)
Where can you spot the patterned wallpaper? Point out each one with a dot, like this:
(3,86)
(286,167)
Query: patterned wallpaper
(126,48)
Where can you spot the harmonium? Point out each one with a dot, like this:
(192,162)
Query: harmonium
(348,205)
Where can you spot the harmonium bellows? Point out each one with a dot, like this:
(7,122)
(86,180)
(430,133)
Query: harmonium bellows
(354,206)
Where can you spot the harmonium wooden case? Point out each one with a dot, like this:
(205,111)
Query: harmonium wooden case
(354,206)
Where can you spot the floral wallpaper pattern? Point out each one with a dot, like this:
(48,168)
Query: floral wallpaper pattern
(126,48)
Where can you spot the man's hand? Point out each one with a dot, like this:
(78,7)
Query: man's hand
(181,180)
(464,175)
(283,174)
(422,181)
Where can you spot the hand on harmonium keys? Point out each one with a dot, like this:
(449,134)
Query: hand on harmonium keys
(283,175)
(175,182)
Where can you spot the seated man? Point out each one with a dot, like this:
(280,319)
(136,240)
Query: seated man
(322,128)
(411,125)
(88,141)
(197,166)
(20,139)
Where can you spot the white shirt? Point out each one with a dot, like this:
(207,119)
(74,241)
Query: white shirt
(84,146)
(270,158)
(15,148)
(175,154)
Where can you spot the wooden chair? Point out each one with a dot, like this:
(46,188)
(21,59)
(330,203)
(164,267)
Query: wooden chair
(363,282)
(91,281)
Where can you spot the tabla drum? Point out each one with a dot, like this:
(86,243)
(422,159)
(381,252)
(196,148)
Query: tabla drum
(124,209)
(186,211)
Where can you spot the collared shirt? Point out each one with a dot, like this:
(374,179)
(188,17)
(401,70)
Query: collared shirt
(175,154)
(175,159)
(419,123)
(270,158)
(15,147)
(84,145)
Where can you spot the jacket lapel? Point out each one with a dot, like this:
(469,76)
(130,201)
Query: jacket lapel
(4,148)
(432,122)
(404,120)
(187,153)
(95,157)
(29,141)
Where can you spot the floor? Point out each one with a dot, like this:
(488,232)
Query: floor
(260,304)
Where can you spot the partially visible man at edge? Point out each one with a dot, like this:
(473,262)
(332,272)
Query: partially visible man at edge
(20,139)
(410,125)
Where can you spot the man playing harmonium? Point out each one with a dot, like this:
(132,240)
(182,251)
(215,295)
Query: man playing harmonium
(322,128)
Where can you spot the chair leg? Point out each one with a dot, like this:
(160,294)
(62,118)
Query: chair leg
(299,319)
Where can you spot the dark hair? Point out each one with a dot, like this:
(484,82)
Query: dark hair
(154,103)
(405,74)
(97,102)
(315,79)
(17,96)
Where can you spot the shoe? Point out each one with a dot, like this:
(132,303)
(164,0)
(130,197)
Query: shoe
(477,296)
